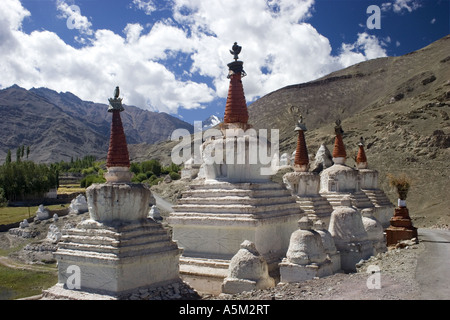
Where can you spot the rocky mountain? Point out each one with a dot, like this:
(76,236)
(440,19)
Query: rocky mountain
(58,126)
(400,105)
(212,121)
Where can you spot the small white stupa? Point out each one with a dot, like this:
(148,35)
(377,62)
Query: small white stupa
(248,271)
(306,258)
(350,237)
(78,205)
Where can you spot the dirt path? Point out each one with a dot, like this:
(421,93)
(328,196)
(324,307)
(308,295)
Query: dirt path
(162,203)
(10,263)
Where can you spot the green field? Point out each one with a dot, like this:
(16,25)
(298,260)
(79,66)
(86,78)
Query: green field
(14,214)
(17,283)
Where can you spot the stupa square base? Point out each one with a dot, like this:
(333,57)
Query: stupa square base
(116,258)
(291,272)
(397,234)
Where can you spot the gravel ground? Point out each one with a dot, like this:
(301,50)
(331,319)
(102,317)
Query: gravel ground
(396,278)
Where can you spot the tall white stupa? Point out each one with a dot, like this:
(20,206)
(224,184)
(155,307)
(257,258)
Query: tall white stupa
(234,202)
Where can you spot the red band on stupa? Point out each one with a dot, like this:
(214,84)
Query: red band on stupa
(236,106)
(361,157)
(118,149)
(339,148)
(301,153)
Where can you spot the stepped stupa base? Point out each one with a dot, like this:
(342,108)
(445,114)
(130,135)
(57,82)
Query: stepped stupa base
(117,258)
(213,218)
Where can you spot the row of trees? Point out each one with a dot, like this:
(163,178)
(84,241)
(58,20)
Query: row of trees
(150,172)
(22,180)
(76,165)
(20,153)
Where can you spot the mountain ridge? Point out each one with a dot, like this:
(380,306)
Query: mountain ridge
(59,126)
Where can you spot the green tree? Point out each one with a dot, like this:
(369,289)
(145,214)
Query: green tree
(3,200)
(174,175)
(151,165)
(8,157)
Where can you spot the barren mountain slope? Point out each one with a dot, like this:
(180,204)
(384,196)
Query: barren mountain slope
(400,105)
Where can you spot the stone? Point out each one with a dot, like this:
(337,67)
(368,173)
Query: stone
(248,271)
(306,258)
(55,217)
(190,170)
(42,213)
(323,159)
(24,224)
(350,237)
(78,205)
(154,213)
(54,234)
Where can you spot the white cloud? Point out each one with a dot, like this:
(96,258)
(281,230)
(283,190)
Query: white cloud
(75,20)
(147,6)
(433,21)
(279,48)
(272,41)
(133,32)
(365,48)
(399,6)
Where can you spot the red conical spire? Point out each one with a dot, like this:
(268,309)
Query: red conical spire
(118,160)
(236,107)
(339,149)
(301,160)
(236,113)
(361,160)
(118,149)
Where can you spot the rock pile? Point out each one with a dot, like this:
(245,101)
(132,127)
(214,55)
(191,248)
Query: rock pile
(175,291)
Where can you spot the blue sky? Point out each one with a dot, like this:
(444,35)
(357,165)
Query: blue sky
(170,56)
